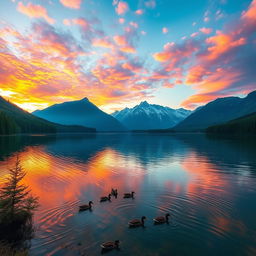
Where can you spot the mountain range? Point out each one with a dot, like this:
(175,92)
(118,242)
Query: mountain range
(16,120)
(217,112)
(150,116)
(80,112)
(77,116)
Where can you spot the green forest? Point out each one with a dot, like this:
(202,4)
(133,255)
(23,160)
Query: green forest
(7,124)
(16,120)
(242,125)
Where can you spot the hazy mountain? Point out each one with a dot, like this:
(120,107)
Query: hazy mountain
(243,125)
(80,112)
(217,112)
(150,116)
(16,120)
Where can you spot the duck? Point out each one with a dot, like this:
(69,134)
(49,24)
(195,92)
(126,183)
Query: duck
(162,219)
(129,195)
(85,207)
(114,192)
(105,198)
(137,222)
(110,245)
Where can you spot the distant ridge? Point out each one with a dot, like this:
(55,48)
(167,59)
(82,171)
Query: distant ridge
(217,112)
(80,112)
(150,116)
(243,125)
(16,120)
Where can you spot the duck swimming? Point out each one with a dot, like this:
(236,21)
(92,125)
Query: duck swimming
(162,219)
(85,207)
(129,195)
(114,192)
(137,222)
(105,198)
(110,245)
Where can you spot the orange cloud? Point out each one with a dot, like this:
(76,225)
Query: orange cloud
(173,53)
(131,66)
(35,11)
(51,68)
(74,4)
(219,65)
(195,74)
(120,40)
(209,86)
(102,42)
(222,43)
(250,14)
(128,49)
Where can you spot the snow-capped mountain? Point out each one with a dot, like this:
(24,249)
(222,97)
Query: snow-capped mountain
(150,116)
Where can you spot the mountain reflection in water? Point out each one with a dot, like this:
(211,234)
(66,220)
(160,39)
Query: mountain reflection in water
(208,185)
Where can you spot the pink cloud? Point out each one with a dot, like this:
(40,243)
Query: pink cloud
(164,30)
(221,63)
(206,19)
(206,30)
(51,67)
(35,11)
(122,8)
(223,69)
(134,24)
(139,12)
(121,20)
(77,21)
(194,34)
(74,4)
(167,84)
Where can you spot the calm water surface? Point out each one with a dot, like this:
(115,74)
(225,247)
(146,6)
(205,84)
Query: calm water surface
(208,185)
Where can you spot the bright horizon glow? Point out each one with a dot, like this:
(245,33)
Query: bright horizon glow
(119,53)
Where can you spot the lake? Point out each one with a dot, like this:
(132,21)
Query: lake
(208,185)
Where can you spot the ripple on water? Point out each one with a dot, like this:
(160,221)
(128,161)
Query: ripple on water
(207,205)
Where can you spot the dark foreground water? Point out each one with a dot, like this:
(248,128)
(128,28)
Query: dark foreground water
(208,185)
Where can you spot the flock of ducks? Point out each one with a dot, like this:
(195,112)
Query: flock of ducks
(132,223)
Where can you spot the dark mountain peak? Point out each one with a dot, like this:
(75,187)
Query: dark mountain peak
(251,95)
(144,104)
(85,99)
(222,100)
(80,112)
(218,111)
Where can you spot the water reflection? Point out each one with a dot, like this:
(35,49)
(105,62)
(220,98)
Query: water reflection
(207,184)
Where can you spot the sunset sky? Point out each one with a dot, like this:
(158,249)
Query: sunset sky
(118,53)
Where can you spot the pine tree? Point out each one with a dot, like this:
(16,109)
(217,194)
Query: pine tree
(17,206)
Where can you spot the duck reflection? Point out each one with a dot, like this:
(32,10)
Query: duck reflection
(194,178)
